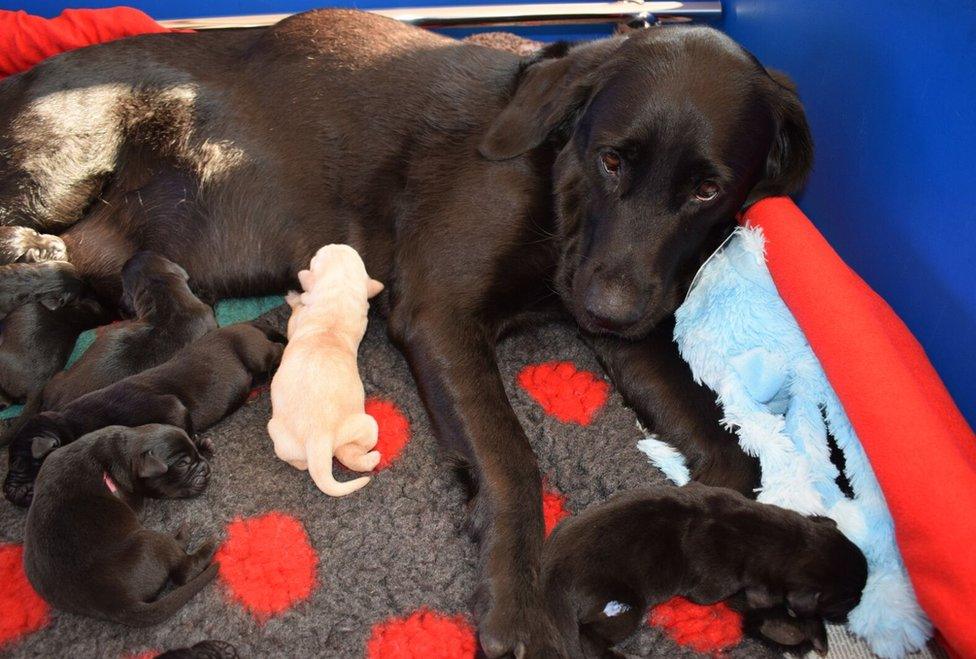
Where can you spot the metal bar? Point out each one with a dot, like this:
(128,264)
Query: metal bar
(496,15)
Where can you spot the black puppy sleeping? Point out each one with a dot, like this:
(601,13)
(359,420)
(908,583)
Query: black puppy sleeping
(168,316)
(195,389)
(49,335)
(85,550)
(787,571)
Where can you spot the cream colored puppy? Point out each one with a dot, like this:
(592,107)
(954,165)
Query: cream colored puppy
(317,397)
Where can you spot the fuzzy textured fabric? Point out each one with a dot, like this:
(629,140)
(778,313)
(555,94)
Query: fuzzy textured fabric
(407,565)
(22,611)
(742,341)
(921,448)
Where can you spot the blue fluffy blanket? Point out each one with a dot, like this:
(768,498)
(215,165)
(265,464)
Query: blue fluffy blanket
(742,341)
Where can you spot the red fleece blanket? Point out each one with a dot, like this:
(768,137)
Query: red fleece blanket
(920,446)
(26,40)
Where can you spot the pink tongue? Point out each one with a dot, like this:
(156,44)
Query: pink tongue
(109,483)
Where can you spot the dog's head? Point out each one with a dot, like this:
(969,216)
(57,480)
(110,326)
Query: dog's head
(824,579)
(338,266)
(149,279)
(166,463)
(664,135)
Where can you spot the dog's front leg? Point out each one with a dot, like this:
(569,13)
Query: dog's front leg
(657,383)
(453,362)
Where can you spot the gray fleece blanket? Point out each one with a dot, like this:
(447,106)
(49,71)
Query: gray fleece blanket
(394,547)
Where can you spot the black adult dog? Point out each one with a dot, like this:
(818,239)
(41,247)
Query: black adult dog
(708,544)
(84,548)
(195,389)
(168,316)
(485,189)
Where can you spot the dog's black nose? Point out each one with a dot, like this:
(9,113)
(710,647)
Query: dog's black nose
(613,304)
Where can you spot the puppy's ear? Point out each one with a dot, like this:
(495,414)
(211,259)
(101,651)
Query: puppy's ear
(759,597)
(149,465)
(41,447)
(803,602)
(373,288)
(549,96)
(790,157)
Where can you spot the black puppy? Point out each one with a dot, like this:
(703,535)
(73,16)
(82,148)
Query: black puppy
(24,245)
(707,544)
(168,316)
(53,284)
(84,548)
(198,387)
(50,337)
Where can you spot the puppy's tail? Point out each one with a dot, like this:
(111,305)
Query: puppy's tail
(146,614)
(319,454)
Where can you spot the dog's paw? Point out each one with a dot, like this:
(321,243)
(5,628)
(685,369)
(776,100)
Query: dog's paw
(45,247)
(525,633)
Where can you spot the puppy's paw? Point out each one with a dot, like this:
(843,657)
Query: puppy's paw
(206,551)
(182,535)
(520,632)
(19,494)
(371,460)
(206,446)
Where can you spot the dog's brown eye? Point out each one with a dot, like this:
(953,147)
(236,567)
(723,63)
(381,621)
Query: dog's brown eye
(611,162)
(706,191)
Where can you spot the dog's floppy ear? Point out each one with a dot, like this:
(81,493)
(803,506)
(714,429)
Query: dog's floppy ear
(549,94)
(42,446)
(790,157)
(373,288)
(148,465)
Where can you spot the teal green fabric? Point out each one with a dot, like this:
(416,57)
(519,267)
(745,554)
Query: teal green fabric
(228,312)
(237,310)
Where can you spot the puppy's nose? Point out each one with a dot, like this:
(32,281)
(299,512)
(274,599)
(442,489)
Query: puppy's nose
(614,304)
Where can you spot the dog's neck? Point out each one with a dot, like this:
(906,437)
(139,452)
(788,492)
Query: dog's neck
(115,458)
(339,316)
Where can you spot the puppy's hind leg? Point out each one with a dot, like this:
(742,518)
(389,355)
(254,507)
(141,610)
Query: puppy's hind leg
(356,437)
(194,563)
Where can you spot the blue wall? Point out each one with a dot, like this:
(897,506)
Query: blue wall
(890,88)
